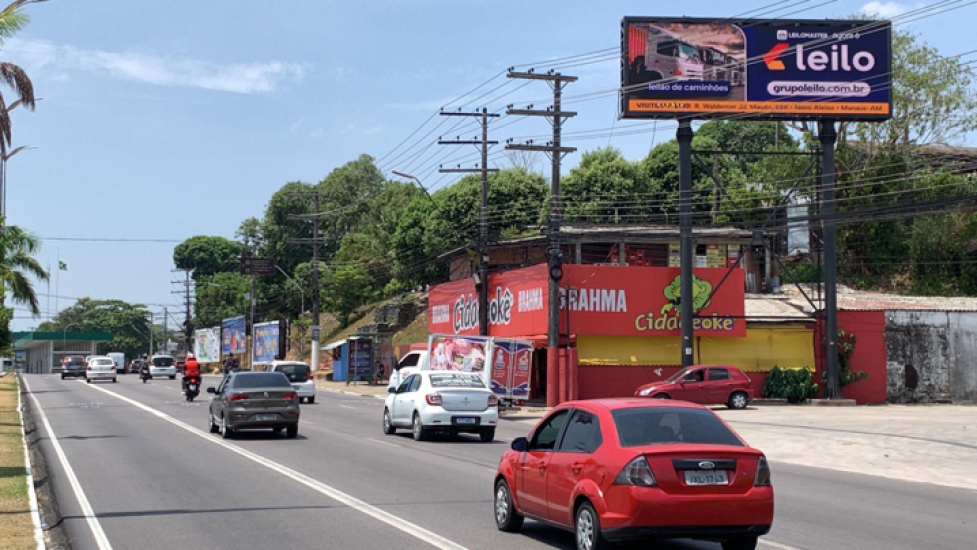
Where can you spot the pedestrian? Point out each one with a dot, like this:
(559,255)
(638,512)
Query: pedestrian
(379,372)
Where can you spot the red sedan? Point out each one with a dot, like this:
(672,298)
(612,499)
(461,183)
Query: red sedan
(705,385)
(624,469)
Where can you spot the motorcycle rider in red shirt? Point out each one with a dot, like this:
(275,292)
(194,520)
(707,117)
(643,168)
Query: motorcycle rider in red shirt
(191,371)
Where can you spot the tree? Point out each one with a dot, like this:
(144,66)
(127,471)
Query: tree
(347,288)
(220,296)
(207,255)
(128,323)
(17,249)
(605,187)
(12,19)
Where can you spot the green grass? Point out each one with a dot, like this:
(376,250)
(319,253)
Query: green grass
(16,527)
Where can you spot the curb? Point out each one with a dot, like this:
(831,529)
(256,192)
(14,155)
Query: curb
(31,492)
(833,402)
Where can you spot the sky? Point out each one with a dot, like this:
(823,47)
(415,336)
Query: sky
(160,121)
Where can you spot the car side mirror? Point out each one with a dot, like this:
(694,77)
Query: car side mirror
(520,444)
(212,390)
(391,389)
(397,367)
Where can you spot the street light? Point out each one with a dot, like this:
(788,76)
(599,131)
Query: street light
(298,286)
(3,162)
(419,184)
(64,332)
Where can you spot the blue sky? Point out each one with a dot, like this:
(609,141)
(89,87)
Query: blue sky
(165,120)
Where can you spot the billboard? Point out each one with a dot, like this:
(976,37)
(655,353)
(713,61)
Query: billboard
(512,362)
(268,343)
(207,345)
(233,335)
(360,349)
(755,68)
(466,354)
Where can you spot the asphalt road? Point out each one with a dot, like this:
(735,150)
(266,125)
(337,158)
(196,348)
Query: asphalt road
(155,478)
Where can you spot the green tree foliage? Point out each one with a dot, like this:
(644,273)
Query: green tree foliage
(606,187)
(13,19)
(208,255)
(17,266)
(220,296)
(348,287)
(128,323)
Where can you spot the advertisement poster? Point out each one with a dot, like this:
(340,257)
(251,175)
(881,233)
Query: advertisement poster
(266,342)
(206,345)
(360,358)
(466,354)
(760,69)
(511,364)
(233,336)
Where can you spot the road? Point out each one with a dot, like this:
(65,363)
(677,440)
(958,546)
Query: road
(154,477)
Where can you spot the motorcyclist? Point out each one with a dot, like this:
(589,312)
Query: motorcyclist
(191,371)
(144,371)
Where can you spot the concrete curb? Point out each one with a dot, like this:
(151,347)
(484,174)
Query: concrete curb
(833,403)
(31,493)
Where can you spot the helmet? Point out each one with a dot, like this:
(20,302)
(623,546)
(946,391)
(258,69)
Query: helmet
(190,356)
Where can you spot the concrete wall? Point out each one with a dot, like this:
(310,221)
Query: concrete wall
(935,352)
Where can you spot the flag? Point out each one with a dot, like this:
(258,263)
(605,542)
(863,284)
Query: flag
(62,266)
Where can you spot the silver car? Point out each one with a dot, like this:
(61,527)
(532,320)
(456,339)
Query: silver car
(254,400)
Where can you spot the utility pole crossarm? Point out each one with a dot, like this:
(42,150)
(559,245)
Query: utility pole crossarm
(540,148)
(465,142)
(557,77)
(466,170)
(537,112)
(475,113)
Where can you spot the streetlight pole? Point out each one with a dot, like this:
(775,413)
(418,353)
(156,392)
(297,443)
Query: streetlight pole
(297,285)
(3,178)
(419,184)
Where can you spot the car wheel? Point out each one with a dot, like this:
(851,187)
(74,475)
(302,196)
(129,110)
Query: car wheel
(487,435)
(173,378)
(506,517)
(62,377)
(301,400)
(663,396)
(388,427)
(114,380)
(744,543)
(292,431)
(587,529)
(420,434)
(214,428)
(88,380)
(226,432)
(310,400)
(738,400)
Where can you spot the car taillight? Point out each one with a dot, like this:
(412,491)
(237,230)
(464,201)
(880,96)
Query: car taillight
(762,478)
(88,368)
(493,400)
(637,473)
(290,395)
(433,399)
(237,397)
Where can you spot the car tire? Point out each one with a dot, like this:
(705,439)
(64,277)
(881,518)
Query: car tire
(214,428)
(738,400)
(62,377)
(173,378)
(487,435)
(114,380)
(743,543)
(586,529)
(388,427)
(420,433)
(226,432)
(506,517)
(292,431)
(310,400)
(88,380)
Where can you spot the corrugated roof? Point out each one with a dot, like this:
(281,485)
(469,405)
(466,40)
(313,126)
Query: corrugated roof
(860,300)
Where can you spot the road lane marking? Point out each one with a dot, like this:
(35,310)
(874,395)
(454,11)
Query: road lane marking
(347,407)
(383,442)
(777,545)
(86,508)
(396,522)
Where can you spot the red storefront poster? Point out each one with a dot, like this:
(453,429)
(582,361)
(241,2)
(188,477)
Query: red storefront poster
(511,363)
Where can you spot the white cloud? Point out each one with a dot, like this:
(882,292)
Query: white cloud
(884,10)
(151,68)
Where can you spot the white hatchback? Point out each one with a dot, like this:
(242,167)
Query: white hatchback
(445,401)
(162,365)
(100,368)
(299,376)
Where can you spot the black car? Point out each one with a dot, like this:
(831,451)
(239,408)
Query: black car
(73,365)
(136,365)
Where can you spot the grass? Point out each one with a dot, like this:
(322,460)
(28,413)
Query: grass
(16,527)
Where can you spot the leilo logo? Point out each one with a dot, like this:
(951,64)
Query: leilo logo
(465,315)
(782,34)
(837,59)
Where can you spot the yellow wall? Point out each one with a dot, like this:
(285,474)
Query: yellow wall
(763,347)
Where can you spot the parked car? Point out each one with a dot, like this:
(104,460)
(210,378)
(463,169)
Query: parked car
(73,365)
(625,469)
(447,401)
(100,368)
(705,385)
(162,365)
(254,400)
(299,375)
(135,365)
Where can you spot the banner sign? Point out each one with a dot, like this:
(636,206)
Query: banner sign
(602,299)
(756,68)
(233,335)
(466,354)
(360,350)
(207,345)
(511,364)
(267,343)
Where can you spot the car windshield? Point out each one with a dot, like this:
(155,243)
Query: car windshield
(678,375)
(655,425)
(456,380)
(162,361)
(295,372)
(261,380)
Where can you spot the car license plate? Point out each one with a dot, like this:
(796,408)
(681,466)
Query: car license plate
(262,417)
(466,420)
(704,477)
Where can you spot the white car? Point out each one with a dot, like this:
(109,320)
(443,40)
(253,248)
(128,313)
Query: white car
(299,375)
(100,368)
(162,365)
(446,401)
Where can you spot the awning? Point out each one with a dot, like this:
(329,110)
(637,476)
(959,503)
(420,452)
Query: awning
(333,345)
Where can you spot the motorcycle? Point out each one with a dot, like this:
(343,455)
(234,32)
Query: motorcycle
(192,386)
(144,374)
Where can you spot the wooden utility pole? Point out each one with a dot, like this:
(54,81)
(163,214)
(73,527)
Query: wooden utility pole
(315,242)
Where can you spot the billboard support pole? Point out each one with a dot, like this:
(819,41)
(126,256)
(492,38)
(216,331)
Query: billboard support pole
(687,244)
(828,138)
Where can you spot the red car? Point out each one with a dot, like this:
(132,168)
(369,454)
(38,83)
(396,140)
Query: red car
(623,469)
(705,385)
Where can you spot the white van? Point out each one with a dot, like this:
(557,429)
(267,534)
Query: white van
(120,361)
(410,363)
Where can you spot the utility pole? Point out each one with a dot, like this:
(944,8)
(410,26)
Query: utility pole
(686,242)
(482,263)
(556,382)
(315,242)
(187,296)
(828,136)
(166,335)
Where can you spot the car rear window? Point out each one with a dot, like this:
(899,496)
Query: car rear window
(295,373)
(261,380)
(654,425)
(456,380)
(162,361)
(75,361)
(102,363)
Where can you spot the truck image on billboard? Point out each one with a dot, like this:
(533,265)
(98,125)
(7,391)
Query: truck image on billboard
(755,69)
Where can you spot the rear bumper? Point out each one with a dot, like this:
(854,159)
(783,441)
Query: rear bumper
(251,421)
(449,420)
(74,373)
(162,372)
(708,532)
(304,390)
(100,375)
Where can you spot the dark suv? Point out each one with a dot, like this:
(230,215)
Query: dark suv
(73,365)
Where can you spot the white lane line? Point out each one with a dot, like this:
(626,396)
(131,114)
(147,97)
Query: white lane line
(772,544)
(100,539)
(32,494)
(396,522)
(347,407)
(382,442)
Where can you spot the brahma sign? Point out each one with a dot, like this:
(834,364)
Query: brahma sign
(604,300)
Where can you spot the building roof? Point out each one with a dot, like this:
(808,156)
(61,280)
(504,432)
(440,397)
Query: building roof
(23,339)
(860,300)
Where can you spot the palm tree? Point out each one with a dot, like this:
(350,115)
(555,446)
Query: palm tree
(12,19)
(17,249)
